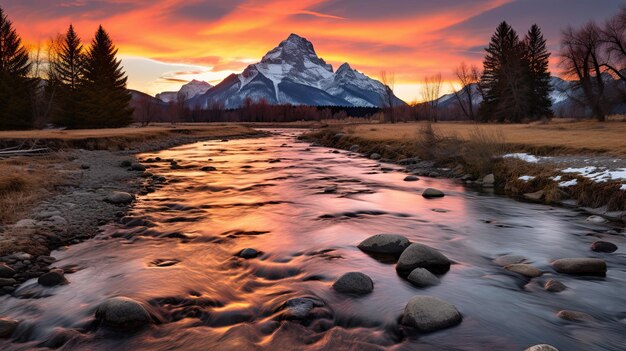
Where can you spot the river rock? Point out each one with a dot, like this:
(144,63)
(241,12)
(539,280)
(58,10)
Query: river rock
(392,244)
(411,178)
(542,347)
(422,256)
(53,278)
(300,307)
(432,193)
(354,283)
(123,312)
(7,282)
(603,246)
(375,156)
(208,169)
(119,197)
(554,285)
(596,219)
(526,270)
(489,180)
(536,196)
(248,253)
(574,316)
(506,260)
(580,266)
(422,278)
(427,313)
(7,327)
(354,148)
(6,271)
(137,167)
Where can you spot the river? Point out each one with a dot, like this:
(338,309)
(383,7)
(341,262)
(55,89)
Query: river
(274,194)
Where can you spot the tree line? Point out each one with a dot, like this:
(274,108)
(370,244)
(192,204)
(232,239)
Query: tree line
(66,83)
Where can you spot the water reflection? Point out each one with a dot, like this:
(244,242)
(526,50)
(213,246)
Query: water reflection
(207,298)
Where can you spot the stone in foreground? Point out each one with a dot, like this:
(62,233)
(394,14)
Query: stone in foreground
(7,327)
(354,283)
(123,312)
(392,244)
(524,269)
(554,285)
(119,198)
(574,316)
(422,278)
(603,246)
(422,256)
(580,266)
(432,193)
(542,347)
(411,178)
(427,314)
(53,278)
(248,253)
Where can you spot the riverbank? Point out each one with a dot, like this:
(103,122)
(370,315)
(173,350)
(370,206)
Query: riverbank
(63,197)
(548,163)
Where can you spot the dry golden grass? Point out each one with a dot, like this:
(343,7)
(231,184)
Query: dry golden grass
(543,138)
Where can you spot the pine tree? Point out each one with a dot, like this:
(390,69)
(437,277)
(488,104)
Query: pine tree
(105,100)
(503,82)
(15,85)
(537,58)
(68,74)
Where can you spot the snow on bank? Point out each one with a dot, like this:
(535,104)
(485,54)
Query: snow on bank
(568,183)
(525,157)
(623,187)
(526,178)
(598,175)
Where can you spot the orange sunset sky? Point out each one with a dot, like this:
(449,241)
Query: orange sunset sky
(165,43)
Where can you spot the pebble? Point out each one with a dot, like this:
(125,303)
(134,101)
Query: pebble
(596,219)
(248,253)
(119,197)
(354,283)
(603,246)
(526,270)
(574,316)
(554,285)
(411,178)
(580,266)
(431,193)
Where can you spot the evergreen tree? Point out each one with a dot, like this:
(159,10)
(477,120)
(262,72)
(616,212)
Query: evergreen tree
(15,85)
(68,72)
(104,98)
(537,58)
(503,81)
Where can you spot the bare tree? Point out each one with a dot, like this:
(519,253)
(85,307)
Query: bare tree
(468,78)
(388,98)
(613,37)
(431,91)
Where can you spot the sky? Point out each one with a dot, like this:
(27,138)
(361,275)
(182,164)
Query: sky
(166,43)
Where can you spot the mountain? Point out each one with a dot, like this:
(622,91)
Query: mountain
(292,73)
(186,92)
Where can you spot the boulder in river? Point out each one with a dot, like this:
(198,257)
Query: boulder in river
(580,266)
(542,347)
(375,156)
(300,307)
(392,244)
(208,169)
(7,327)
(526,270)
(137,167)
(354,283)
(596,219)
(431,193)
(427,313)
(53,278)
(574,316)
(248,253)
(422,256)
(603,246)
(411,178)
(554,285)
(6,271)
(422,278)
(489,180)
(119,197)
(123,312)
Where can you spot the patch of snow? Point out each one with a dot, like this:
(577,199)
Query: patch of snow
(526,178)
(598,175)
(556,179)
(568,183)
(623,187)
(525,157)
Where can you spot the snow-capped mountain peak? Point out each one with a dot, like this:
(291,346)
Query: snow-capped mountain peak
(193,88)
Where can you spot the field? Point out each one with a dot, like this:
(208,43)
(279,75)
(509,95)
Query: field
(553,137)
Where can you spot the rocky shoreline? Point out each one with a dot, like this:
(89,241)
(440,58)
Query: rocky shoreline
(99,187)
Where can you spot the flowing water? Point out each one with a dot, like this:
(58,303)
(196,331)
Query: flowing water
(177,254)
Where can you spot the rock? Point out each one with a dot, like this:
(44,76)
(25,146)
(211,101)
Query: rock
(375,156)
(22,256)
(119,197)
(330,189)
(354,283)
(123,312)
(53,278)
(422,256)
(300,307)
(603,246)
(26,223)
(7,282)
(248,253)
(125,163)
(7,327)
(536,196)
(574,316)
(392,244)
(85,166)
(411,178)
(489,180)
(208,169)
(6,271)
(542,347)
(596,219)
(508,260)
(580,266)
(422,278)
(524,269)
(137,167)
(432,193)
(354,148)
(554,285)
(429,314)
